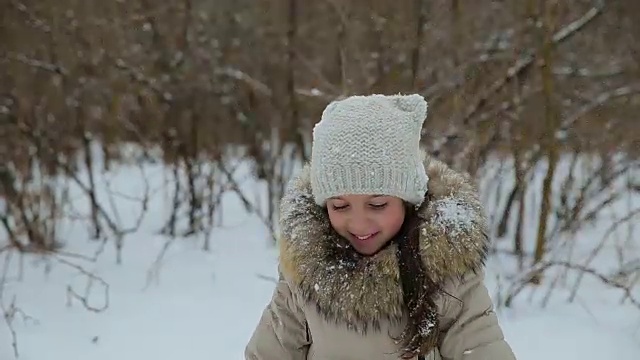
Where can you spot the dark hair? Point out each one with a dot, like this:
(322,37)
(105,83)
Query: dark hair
(417,288)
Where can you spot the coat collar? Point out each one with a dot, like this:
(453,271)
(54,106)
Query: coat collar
(361,292)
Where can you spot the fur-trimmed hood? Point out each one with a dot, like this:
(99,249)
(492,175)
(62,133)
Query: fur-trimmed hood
(358,291)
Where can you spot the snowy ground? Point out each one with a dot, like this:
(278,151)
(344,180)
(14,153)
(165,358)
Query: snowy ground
(204,306)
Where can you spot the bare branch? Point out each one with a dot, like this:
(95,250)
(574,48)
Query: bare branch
(255,84)
(600,100)
(91,280)
(518,69)
(613,281)
(39,64)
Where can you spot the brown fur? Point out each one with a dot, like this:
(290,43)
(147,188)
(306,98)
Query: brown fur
(362,292)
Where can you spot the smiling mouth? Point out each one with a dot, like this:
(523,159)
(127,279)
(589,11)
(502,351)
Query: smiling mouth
(365,237)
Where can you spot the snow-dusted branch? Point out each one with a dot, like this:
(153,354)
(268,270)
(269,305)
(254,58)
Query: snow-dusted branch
(518,69)
(240,75)
(140,77)
(36,63)
(579,23)
(600,100)
(33,20)
(262,88)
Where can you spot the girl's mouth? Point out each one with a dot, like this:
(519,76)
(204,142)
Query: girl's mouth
(365,237)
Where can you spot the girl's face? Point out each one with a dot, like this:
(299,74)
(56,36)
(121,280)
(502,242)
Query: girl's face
(367,221)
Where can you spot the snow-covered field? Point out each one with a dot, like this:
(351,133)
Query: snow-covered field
(204,305)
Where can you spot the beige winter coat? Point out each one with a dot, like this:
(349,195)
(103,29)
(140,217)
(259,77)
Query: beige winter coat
(332,304)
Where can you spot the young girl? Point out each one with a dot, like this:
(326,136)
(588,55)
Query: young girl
(382,248)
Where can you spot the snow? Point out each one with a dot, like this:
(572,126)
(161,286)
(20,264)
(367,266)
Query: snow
(205,305)
(455,216)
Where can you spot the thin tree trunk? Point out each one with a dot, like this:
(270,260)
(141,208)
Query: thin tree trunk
(548,143)
(415,54)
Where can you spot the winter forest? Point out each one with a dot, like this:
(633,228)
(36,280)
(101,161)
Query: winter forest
(145,147)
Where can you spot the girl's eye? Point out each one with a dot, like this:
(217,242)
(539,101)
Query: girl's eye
(341,207)
(378,206)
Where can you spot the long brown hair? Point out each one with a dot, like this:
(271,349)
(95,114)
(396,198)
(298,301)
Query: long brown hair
(418,290)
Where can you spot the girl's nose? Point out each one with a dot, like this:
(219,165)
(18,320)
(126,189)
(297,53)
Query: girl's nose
(359,224)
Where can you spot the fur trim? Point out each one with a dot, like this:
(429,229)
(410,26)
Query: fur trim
(362,292)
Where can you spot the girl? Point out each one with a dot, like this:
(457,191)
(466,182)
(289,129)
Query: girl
(382,248)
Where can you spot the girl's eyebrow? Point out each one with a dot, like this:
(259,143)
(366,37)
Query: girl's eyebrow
(370,197)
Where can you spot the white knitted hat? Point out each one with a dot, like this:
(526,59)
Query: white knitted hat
(370,145)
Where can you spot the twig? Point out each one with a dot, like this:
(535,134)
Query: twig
(36,63)
(119,241)
(10,312)
(91,279)
(7,313)
(601,244)
(35,21)
(270,279)
(599,100)
(154,271)
(254,83)
(613,282)
(5,271)
(245,201)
